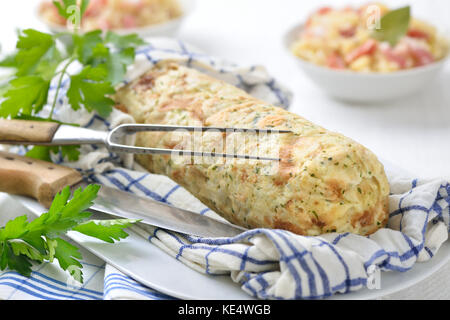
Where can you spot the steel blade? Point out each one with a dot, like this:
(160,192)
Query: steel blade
(127,205)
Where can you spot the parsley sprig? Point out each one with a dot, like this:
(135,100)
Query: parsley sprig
(23,243)
(64,7)
(41,57)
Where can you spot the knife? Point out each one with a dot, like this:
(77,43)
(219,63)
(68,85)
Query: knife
(42,180)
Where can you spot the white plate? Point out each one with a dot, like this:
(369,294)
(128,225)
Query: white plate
(147,264)
(169,28)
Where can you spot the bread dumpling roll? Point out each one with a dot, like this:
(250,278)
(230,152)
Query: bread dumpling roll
(325,182)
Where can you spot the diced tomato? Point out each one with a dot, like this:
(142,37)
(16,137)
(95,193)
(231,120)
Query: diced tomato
(347,32)
(416,33)
(396,56)
(95,7)
(421,56)
(324,10)
(335,61)
(349,9)
(132,4)
(367,48)
(129,21)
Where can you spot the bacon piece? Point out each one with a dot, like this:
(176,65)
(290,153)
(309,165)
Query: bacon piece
(397,55)
(95,7)
(419,34)
(421,56)
(367,48)
(335,61)
(323,10)
(348,32)
(129,21)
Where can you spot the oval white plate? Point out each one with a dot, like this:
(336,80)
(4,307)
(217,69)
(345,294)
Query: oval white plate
(147,264)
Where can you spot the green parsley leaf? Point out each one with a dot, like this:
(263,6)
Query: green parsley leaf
(124,41)
(9,61)
(26,95)
(67,255)
(14,228)
(83,6)
(106,230)
(115,52)
(393,25)
(64,5)
(23,242)
(82,200)
(85,44)
(35,239)
(72,153)
(8,259)
(89,89)
(63,215)
(23,248)
(116,64)
(40,153)
(35,47)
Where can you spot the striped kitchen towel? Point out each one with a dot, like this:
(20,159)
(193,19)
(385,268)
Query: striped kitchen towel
(268,264)
(48,281)
(277,264)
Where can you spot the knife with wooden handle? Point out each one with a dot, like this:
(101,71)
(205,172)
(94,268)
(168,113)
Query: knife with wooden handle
(42,180)
(32,132)
(38,179)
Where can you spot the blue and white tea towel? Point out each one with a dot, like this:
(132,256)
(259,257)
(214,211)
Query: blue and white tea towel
(268,264)
(277,264)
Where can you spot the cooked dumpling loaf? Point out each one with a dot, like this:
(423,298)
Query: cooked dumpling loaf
(325,182)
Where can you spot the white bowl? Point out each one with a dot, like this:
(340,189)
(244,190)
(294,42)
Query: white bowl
(167,29)
(365,87)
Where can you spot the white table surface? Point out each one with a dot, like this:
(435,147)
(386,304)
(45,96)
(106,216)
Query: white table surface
(413,132)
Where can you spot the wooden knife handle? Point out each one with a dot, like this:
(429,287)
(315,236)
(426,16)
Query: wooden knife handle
(25,131)
(38,179)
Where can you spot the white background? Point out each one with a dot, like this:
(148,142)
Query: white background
(413,133)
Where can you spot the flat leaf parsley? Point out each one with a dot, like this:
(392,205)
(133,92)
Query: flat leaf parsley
(23,243)
(41,58)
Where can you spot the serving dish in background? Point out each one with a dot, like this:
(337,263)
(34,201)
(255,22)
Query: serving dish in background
(166,28)
(387,81)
